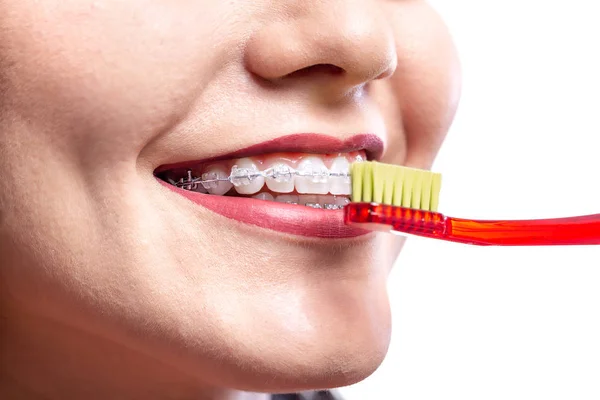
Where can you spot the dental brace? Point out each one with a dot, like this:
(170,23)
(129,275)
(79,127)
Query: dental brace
(244,176)
(281,173)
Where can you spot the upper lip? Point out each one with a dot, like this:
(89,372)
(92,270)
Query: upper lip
(311,143)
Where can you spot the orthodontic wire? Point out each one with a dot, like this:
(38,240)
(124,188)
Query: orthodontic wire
(190,182)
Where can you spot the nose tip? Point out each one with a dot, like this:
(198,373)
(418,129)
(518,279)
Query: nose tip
(349,42)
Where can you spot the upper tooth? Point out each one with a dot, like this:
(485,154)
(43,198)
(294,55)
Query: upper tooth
(246,177)
(283,178)
(337,184)
(316,182)
(216,172)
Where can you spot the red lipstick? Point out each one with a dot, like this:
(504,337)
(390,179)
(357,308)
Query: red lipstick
(281,217)
(287,218)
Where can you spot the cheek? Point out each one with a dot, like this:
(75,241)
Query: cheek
(424,92)
(114,72)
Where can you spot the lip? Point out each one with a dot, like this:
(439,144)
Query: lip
(310,143)
(281,217)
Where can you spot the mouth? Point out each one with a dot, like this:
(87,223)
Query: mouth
(297,184)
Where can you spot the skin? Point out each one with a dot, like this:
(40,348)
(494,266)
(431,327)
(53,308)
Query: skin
(114,287)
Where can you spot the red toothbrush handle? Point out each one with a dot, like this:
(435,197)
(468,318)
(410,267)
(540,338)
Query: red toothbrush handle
(584,230)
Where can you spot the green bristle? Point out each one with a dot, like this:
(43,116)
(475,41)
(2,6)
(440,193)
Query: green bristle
(383,180)
(356,172)
(367,189)
(398,186)
(409,177)
(415,200)
(395,185)
(389,183)
(426,179)
(436,185)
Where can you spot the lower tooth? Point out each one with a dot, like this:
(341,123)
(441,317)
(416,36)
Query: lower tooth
(313,205)
(307,199)
(200,189)
(341,201)
(287,198)
(313,201)
(264,196)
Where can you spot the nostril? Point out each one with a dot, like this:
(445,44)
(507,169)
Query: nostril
(317,69)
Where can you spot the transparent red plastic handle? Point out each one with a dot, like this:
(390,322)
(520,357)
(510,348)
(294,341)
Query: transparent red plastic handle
(584,230)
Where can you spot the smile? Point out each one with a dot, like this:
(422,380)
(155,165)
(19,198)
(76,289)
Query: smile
(312,180)
(296,192)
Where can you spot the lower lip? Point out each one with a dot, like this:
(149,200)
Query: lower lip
(280,217)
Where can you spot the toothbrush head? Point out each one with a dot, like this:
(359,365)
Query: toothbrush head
(395,185)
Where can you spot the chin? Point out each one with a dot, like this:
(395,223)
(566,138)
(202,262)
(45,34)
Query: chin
(342,356)
(336,359)
(333,357)
(333,340)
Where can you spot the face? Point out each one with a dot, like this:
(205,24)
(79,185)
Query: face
(102,101)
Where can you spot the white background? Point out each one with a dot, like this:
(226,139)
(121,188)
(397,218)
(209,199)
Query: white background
(508,323)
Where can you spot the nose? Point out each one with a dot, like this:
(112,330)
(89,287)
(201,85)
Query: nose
(338,45)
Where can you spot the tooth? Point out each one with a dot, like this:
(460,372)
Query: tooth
(246,177)
(341,201)
(326,199)
(340,185)
(303,199)
(264,196)
(216,172)
(200,189)
(328,202)
(312,184)
(283,181)
(287,198)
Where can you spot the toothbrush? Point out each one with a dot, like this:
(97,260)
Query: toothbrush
(405,201)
